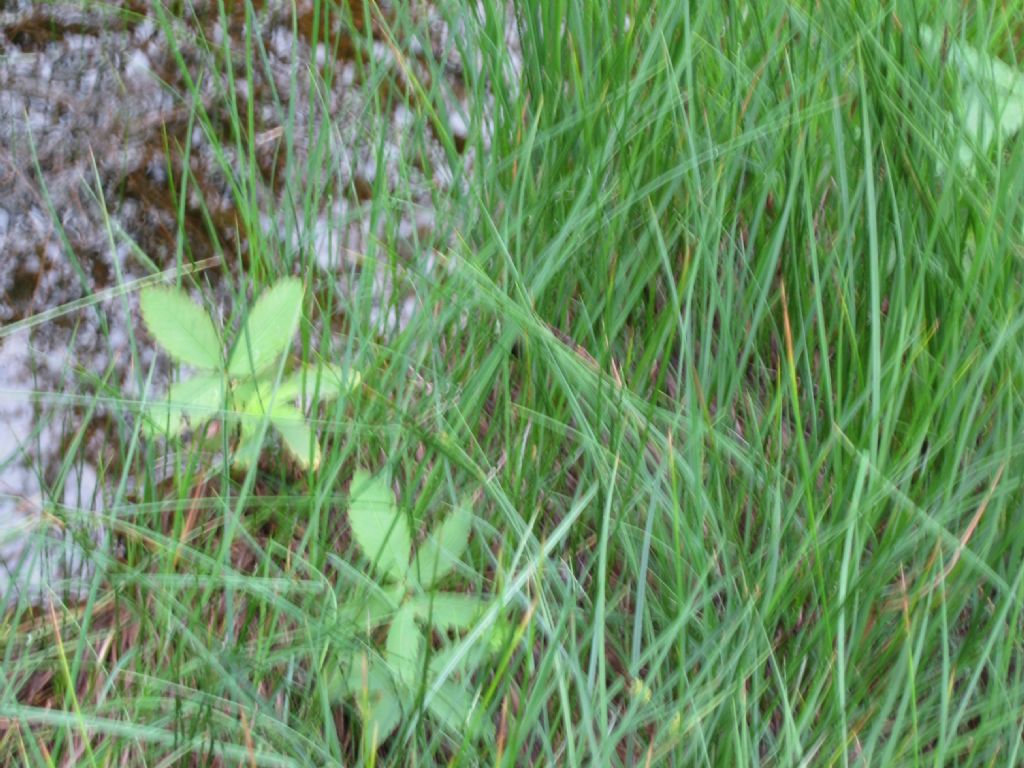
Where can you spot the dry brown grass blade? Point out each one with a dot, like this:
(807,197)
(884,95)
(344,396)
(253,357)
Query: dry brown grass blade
(967,534)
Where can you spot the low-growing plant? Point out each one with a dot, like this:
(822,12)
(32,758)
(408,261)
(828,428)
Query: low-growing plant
(409,602)
(991,96)
(247,386)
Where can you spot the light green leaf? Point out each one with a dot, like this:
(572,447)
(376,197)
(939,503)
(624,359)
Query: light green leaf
(365,675)
(378,527)
(162,417)
(268,330)
(181,327)
(369,683)
(451,705)
(447,610)
(246,390)
(292,386)
(368,612)
(296,433)
(247,452)
(381,717)
(257,396)
(443,548)
(317,383)
(991,95)
(199,397)
(467,660)
(335,383)
(405,646)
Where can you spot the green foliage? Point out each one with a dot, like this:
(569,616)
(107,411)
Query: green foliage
(181,327)
(386,686)
(378,527)
(268,330)
(443,548)
(991,96)
(244,393)
(745,422)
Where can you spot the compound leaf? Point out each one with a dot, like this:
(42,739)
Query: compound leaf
(268,330)
(181,327)
(296,433)
(199,397)
(405,646)
(447,610)
(321,384)
(380,530)
(443,548)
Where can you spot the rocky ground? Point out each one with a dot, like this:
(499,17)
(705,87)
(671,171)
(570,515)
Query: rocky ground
(97,116)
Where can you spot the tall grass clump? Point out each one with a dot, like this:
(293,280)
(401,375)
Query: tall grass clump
(716,339)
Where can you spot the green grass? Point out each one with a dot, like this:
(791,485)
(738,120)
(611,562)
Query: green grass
(723,343)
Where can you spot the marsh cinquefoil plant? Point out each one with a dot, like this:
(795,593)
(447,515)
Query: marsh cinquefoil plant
(385,688)
(991,96)
(244,388)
